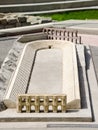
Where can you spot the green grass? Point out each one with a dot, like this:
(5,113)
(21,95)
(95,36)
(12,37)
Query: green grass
(86,14)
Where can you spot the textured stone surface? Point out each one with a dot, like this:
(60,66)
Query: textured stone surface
(12,21)
(8,67)
(3,21)
(22,19)
(2,106)
(10,62)
(16,20)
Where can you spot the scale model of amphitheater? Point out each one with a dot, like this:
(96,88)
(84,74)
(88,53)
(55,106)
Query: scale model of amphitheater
(46,68)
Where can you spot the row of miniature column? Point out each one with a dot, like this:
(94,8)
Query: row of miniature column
(28,101)
(62,34)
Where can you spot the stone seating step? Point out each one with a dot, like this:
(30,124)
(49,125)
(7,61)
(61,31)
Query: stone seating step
(47,6)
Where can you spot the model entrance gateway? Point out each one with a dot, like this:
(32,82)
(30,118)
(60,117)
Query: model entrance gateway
(46,67)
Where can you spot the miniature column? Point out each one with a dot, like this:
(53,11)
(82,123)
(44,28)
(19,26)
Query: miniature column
(46,104)
(71,36)
(76,37)
(63,104)
(68,35)
(55,104)
(28,104)
(19,104)
(37,104)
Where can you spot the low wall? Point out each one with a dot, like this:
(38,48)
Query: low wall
(26,1)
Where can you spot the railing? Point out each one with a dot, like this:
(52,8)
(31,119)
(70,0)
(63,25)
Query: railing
(39,103)
(62,34)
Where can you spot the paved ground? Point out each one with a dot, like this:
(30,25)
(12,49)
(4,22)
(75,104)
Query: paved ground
(94,50)
(89,39)
(79,23)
